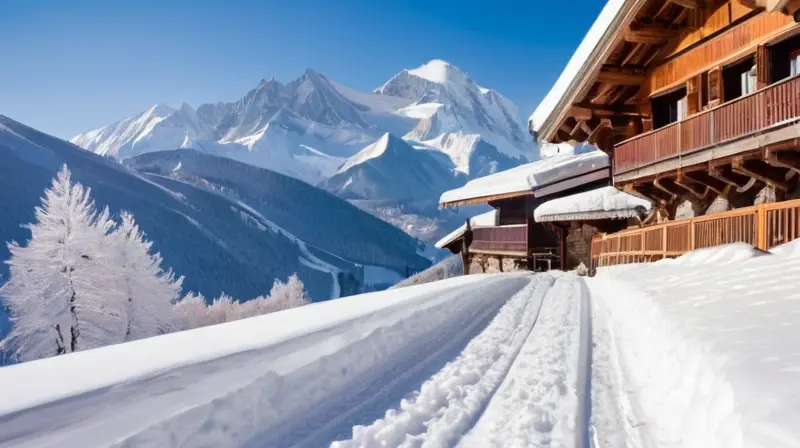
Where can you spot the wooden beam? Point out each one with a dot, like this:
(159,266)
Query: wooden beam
(602,93)
(622,78)
(726,175)
(702,177)
(688,4)
(788,160)
(679,18)
(760,170)
(649,34)
(565,127)
(648,192)
(602,110)
(697,190)
(667,186)
(577,126)
(580,113)
(631,54)
(585,128)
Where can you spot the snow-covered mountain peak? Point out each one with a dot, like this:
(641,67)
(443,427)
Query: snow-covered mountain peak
(440,72)
(388,143)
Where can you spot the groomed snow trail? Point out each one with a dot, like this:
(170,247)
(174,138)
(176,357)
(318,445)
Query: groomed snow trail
(537,403)
(448,404)
(475,361)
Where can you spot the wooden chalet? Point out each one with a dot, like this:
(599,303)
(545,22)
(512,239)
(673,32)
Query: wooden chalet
(697,103)
(509,237)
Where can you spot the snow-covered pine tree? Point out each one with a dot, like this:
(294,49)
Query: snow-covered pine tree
(150,291)
(62,294)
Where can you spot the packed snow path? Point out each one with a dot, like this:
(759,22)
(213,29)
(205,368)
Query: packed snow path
(485,360)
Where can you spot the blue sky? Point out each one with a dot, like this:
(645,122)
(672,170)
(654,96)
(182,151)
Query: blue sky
(68,66)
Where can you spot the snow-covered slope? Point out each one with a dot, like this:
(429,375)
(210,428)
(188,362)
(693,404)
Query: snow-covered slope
(310,126)
(391,168)
(236,238)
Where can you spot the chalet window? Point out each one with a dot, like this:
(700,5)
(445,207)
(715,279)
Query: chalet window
(784,59)
(669,108)
(748,80)
(794,63)
(739,79)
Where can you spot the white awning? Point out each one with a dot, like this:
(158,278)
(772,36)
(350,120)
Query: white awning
(602,203)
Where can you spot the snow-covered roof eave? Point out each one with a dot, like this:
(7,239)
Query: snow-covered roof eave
(588,57)
(598,204)
(487,219)
(540,178)
(593,215)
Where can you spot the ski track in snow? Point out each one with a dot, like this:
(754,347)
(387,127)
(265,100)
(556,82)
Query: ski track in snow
(450,402)
(537,403)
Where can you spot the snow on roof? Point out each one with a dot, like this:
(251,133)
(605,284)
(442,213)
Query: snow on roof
(602,203)
(487,219)
(576,63)
(565,170)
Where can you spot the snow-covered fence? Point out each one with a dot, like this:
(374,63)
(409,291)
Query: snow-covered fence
(763,226)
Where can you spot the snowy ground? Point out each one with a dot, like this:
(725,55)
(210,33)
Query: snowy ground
(695,352)
(419,366)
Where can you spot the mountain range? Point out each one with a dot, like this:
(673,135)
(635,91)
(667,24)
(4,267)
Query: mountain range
(391,151)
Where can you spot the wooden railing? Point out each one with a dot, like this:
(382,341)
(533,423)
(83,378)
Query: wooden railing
(770,106)
(764,226)
(500,239)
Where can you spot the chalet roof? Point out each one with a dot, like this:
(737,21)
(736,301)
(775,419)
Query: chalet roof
(541,178)
(487,219)
(587,51)
(601,203)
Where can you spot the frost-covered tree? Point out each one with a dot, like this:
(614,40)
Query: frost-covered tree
(222,309)
(191,312)
(150,291)
(287,295)
(62,293)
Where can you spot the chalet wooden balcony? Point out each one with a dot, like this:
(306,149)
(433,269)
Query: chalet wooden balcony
(510,240)
(763,226)
(770,108)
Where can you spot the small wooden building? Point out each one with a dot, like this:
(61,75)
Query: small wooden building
(509,237)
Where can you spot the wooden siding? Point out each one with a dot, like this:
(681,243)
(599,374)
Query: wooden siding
(501,239)
(727,47)
(773,105)
(763,226)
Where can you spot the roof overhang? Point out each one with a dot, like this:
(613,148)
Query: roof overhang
(538,179)
(583,69)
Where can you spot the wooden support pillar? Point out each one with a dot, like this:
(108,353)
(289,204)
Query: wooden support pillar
(529,236)
(563,247)
(500,261)
(466,259)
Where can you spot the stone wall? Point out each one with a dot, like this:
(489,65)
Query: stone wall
(579,245)
(488,264)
